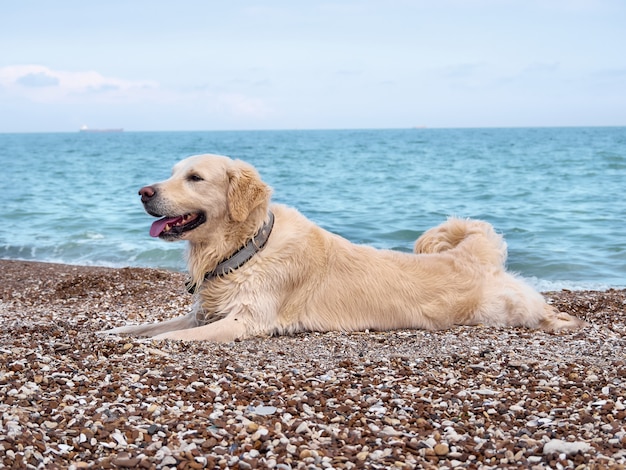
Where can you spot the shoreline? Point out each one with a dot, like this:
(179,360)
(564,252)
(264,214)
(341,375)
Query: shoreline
(472,397)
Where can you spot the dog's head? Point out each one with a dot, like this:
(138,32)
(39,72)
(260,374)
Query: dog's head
(205,193)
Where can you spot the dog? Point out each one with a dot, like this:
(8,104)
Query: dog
(261,269)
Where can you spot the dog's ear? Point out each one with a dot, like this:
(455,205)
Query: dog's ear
(246,191)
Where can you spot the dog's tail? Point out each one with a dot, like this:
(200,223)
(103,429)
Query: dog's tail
(476,237)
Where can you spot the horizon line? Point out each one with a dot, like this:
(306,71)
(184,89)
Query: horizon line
(295,129)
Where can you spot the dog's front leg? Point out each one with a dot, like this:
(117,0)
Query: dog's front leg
(152,329)
(222,331)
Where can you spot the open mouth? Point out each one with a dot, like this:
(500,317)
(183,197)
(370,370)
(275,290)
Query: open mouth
(172,227)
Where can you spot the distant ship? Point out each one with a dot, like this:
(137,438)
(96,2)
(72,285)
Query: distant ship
(87,129)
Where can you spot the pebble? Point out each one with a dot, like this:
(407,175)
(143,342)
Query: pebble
(302,428)
(124,460)
(259,433)
(441,449)
(169,460)
(430,442)
(391,432)
(264,410)
(252,427)
(568,448)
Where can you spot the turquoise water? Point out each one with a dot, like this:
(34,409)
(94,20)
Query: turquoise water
(556,194)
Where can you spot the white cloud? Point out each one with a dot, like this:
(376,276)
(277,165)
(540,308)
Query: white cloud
(35,89)
(39,83)
(39,79)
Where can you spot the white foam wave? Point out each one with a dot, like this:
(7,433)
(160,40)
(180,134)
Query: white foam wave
(545,285)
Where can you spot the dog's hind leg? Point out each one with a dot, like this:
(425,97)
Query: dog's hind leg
(557,321)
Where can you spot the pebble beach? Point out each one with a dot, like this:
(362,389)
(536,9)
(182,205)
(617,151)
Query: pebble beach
(469,397)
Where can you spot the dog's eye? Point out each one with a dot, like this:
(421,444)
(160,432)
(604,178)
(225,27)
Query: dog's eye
(195,177)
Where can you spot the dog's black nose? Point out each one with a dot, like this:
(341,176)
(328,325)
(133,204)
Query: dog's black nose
(146,193)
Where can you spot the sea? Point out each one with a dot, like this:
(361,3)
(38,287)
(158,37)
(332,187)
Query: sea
(556,194)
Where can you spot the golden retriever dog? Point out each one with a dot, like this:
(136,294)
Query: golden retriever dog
(261,269)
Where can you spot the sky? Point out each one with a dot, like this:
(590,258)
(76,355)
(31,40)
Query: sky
(152,65)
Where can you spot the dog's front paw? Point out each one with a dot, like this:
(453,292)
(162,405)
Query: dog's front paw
(135,330)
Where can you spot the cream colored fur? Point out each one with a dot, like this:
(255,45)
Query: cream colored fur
(307,279)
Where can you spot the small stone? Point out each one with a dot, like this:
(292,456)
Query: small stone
(441,449)
(391,432)
(168,460)
(413,444)
(252,426)
(486,392)
(259,434)
(430,442)
(562,447)
(119,438)
(124,460)
(303,428)
(378,409)
(362,455)
(264,410)
(518,365)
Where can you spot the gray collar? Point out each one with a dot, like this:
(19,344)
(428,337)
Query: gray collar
(241,256)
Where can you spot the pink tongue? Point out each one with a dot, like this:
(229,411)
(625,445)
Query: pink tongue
(159,225)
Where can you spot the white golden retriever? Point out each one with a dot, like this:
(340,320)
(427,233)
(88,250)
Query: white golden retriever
(264,269)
